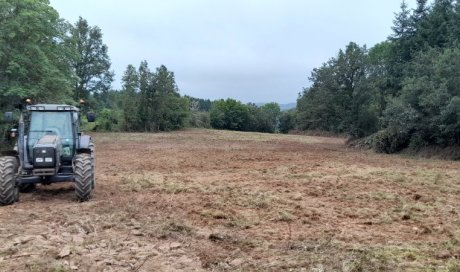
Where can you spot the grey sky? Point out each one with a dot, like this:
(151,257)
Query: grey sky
(253,51)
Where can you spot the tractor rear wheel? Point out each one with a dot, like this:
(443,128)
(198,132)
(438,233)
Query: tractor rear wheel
(83,176)
(92,147)
(9,192)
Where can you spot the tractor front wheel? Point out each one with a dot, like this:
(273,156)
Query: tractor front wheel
(83,176)
(9,192)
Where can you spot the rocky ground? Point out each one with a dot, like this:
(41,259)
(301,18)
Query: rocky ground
(200,200)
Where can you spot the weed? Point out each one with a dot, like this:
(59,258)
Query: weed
(260,201)
(178,227)
(285,216)
(382,195)
(215,214)
(453,266)
(365,260)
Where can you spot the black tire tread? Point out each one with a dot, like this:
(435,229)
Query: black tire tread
(8,171)
(83,176)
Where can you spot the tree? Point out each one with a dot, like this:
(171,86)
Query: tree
(203,105)
(403,26)
(163,86)
(130,101)
(229,114)
(269,117)
(436,29)
(91,63)
(287,121)
(34,53)
(160,106)
(379,78)
(340,99)
(145,114)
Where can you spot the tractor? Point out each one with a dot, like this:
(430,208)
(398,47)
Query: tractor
(49,148)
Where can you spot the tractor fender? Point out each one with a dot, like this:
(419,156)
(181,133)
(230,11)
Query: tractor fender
(84,145)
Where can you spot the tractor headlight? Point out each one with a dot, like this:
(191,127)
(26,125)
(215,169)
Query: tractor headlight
(48,159)
(39,160)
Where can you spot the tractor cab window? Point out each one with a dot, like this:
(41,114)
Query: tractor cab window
(51,123)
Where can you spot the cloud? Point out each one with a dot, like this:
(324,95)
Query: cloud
(254,50)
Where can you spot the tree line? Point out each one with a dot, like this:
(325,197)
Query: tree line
(49,60)
(402,92)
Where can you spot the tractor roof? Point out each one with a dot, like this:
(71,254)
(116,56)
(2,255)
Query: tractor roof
(52,107)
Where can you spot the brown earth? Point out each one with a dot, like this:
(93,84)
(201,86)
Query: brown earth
(212,200)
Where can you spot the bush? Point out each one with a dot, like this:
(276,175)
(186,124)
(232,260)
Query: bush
(108,120)
(229,114)
(199,119)
(389,141)
(5,142)
(287,121)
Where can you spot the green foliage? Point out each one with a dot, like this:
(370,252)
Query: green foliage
(174,114)
(199,104)
(108,120)
(287,121)
(130,101)
(91,63)
(199,119)
(34,53)
(151,101)
(268,117)
(341,99)
(6,142)
(233,115)
(229,114)
(406,86)
(199,113)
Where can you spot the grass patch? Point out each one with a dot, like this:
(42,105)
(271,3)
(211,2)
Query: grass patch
(382,195)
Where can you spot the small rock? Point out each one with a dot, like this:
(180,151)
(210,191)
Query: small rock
(73,266)
(417,196)
(78,240)
(137,233)
(64,252)
(216,237)
(23,240)
(170,246)
(237,262)
(444,255)
(175,245)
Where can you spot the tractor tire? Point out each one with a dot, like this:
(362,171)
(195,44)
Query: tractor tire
(83,176)
(9,192)
(93,163)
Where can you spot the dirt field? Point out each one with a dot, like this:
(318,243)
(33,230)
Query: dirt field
(202,200)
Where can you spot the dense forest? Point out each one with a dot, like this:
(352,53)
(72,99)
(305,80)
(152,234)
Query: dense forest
(402,92)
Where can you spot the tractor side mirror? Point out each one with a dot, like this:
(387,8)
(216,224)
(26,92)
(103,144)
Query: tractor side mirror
(91,116)
(8,117)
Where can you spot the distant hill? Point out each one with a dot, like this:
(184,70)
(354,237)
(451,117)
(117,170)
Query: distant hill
(283,107)
(286,107)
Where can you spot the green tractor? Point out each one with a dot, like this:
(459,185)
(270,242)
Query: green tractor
(49,148)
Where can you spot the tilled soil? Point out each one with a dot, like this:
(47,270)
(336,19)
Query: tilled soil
(199,200)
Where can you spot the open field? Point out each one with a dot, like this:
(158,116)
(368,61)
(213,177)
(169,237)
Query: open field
(200,200)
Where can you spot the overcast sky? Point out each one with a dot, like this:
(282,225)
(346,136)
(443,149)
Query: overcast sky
(250,50)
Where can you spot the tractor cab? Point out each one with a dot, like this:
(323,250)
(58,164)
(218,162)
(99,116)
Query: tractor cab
(58,124)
